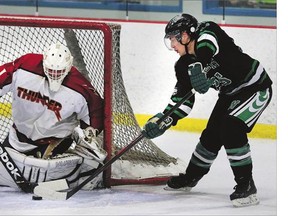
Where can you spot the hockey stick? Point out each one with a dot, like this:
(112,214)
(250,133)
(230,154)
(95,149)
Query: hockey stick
(20,180)
(47,193)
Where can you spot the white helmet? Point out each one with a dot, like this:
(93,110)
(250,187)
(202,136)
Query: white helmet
(57,63)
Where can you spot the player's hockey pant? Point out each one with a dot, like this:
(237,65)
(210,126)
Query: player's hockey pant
(230,121)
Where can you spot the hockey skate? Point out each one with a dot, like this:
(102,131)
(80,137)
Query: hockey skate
(244,194)
(181,183)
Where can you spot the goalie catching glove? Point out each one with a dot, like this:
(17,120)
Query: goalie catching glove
(87,145)
(198,78)
(152,129)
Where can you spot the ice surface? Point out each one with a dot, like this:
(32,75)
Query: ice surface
(209,197)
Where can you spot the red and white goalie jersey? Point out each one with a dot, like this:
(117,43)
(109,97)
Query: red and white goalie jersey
(41,113)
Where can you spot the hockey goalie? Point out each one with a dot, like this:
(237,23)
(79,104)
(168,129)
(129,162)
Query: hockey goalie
(57,120)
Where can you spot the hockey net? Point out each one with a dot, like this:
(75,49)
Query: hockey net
(96,49)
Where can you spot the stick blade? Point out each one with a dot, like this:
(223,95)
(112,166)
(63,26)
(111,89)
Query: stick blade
(57,185)
(50,194)
(51,190)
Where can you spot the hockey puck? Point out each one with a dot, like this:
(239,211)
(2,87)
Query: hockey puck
(36,198)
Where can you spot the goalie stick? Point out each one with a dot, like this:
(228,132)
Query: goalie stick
(48,193)
(20,180)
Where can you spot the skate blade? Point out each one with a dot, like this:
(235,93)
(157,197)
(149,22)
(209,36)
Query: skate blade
(183,189)
(248,201)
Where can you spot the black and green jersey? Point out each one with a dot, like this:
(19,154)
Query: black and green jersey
(226,63)
(223,61)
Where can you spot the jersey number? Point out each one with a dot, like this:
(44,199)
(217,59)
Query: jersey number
(219,81)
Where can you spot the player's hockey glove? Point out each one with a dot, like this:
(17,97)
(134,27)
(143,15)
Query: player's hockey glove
(198,78)
(152,129)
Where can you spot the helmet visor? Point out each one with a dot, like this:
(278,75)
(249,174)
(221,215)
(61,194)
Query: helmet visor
(171,39)
(170,43)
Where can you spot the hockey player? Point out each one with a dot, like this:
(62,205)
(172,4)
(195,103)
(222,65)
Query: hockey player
(209,58)
(57,116)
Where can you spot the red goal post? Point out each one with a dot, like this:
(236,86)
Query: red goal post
(95,46)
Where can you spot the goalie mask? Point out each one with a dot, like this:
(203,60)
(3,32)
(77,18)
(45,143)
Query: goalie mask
(176,26)
(57,63)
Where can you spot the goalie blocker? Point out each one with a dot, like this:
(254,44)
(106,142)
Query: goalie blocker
(75,165)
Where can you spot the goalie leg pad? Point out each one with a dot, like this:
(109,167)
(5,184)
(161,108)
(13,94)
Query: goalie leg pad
(68,166)
(88,146)
(88,168)
(39,170)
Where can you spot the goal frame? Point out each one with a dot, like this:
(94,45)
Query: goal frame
(89,24)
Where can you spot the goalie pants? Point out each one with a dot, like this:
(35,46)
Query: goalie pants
(20,142)
(231,119)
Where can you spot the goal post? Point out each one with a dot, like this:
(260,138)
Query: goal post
(95,46)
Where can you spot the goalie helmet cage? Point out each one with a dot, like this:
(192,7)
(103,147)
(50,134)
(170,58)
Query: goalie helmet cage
(95,46)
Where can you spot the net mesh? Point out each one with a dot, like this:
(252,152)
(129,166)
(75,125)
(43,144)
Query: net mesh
(88,48)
